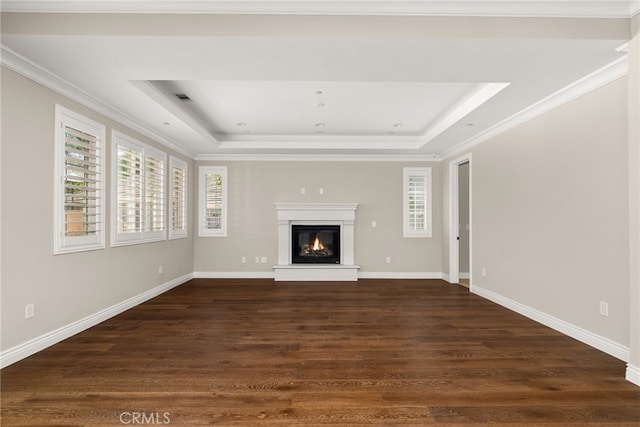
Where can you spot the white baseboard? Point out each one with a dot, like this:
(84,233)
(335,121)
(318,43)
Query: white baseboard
(30,347)
(399,275)
(361,275)
(612,348)
(37,344)
(633,374)
(233,275)
(465,275)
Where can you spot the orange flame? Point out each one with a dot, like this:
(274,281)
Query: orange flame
(317,245)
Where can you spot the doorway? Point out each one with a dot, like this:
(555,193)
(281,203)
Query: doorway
(460,264)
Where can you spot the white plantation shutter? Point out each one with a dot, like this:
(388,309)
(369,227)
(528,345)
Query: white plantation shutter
(79,192)
(178,208)
(417,202)
(212,212)
(154,193)
(139,210)
(129,190)
(213,197)
(82,183)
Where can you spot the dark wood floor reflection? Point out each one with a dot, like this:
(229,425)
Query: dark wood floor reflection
(375,352)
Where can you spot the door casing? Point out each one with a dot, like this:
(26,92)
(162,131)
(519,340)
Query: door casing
(454,219)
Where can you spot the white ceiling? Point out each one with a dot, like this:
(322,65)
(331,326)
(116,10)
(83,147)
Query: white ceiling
(325,81)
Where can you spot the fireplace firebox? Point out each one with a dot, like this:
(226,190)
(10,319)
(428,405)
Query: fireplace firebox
(315,244)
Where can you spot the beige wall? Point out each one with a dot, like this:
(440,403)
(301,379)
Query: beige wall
(550,221)
(633,373)
(64,288)
(377,186)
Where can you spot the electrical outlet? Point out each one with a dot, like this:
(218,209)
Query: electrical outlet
(263,260)
(321,191)
(243,260)
(484,272)
(160,269)
(604,308)
(29,311)
(388,260)
(303,191)
(374,224)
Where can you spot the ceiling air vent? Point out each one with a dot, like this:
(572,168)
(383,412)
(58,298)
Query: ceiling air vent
(182,97)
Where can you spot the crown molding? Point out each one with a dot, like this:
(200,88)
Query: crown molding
(287,142)
(23,66)
(598,78)
(168,103)
(14,61)
(497,8)
(317,158)
(481,94)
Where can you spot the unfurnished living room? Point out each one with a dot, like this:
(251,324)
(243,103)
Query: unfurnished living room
(319,213)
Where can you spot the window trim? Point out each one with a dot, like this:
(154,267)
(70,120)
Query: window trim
(202,230)
(141,236)
(174,162)
(63,244)
(425,173)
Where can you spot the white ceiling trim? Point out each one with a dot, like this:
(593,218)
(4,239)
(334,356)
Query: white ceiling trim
(167,101)
(318,157)
(458,111)
(324,143)
(474,98)
(598,78)
(505,8)
(21,65)
(27,68)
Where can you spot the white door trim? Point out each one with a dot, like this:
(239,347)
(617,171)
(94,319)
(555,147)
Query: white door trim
(454,250)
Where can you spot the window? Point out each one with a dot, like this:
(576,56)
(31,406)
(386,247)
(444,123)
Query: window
(138,192)
(178,199)
(79,183)
(212,210)
(417,202)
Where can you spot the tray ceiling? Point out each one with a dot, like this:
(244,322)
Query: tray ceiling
(323,85)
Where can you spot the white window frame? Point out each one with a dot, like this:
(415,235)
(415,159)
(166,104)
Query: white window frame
(65,118)
(203,230)
(142,234)
(178,233)
(410,229)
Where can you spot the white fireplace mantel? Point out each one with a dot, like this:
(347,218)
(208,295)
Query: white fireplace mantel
(343,214)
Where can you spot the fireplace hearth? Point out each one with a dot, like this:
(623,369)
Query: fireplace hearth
(315,244)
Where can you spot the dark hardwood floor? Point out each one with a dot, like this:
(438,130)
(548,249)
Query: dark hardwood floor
(375,352)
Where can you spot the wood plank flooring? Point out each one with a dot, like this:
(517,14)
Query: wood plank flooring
(373,352)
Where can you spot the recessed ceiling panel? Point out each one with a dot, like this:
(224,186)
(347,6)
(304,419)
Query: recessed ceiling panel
(268,108)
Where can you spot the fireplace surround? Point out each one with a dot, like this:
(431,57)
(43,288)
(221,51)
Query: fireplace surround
(331,257)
